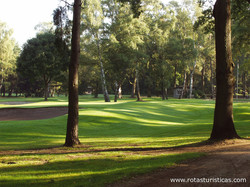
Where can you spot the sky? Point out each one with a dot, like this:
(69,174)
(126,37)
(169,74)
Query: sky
(23,15)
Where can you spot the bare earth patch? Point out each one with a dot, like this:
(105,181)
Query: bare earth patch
(16,103)
(12,114)
(228,160)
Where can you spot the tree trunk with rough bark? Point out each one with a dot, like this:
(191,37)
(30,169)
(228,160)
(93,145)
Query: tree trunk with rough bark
(72,123)
(223,127)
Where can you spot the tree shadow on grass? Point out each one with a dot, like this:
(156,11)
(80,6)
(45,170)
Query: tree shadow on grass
(129,125)
(85,172)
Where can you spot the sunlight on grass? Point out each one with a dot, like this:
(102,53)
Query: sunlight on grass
(93,169)
(106,130)
(164,120)
(140,142)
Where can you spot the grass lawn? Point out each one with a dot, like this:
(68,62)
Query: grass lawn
(106,127)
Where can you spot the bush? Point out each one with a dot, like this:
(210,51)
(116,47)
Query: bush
(199,94)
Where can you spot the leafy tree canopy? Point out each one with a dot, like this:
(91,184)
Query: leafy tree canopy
(41,59)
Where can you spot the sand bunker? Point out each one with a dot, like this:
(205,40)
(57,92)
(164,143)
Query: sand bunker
(14,114)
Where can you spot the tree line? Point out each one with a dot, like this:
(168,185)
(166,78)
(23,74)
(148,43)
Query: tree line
(166,47)
(223,127)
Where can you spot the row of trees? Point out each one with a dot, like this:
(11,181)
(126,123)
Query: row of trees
(9,52)
(223,127)
(137,46)
(159,47)
(151,54)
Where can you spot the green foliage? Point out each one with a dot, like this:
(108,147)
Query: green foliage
(9,52)
(135,6)
(42,60)
(206,21)
(62,23)
(7,56)
(199,94)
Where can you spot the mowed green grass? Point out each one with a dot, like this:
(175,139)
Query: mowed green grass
(107,132)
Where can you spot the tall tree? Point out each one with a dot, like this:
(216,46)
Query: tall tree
(72,123)
(223,127)
(94,20)
(126,43)
(158,69)
(240,43)
(42,60)
(7,55)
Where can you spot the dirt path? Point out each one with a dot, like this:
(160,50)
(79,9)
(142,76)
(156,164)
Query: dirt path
(11,114)
(225,161)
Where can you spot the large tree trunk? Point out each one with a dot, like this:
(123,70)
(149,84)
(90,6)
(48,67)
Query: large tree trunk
(223,127)
(72,123)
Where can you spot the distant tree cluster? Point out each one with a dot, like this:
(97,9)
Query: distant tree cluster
(9,52)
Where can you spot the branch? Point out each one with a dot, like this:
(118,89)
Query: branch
(71,5)
(65,1)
